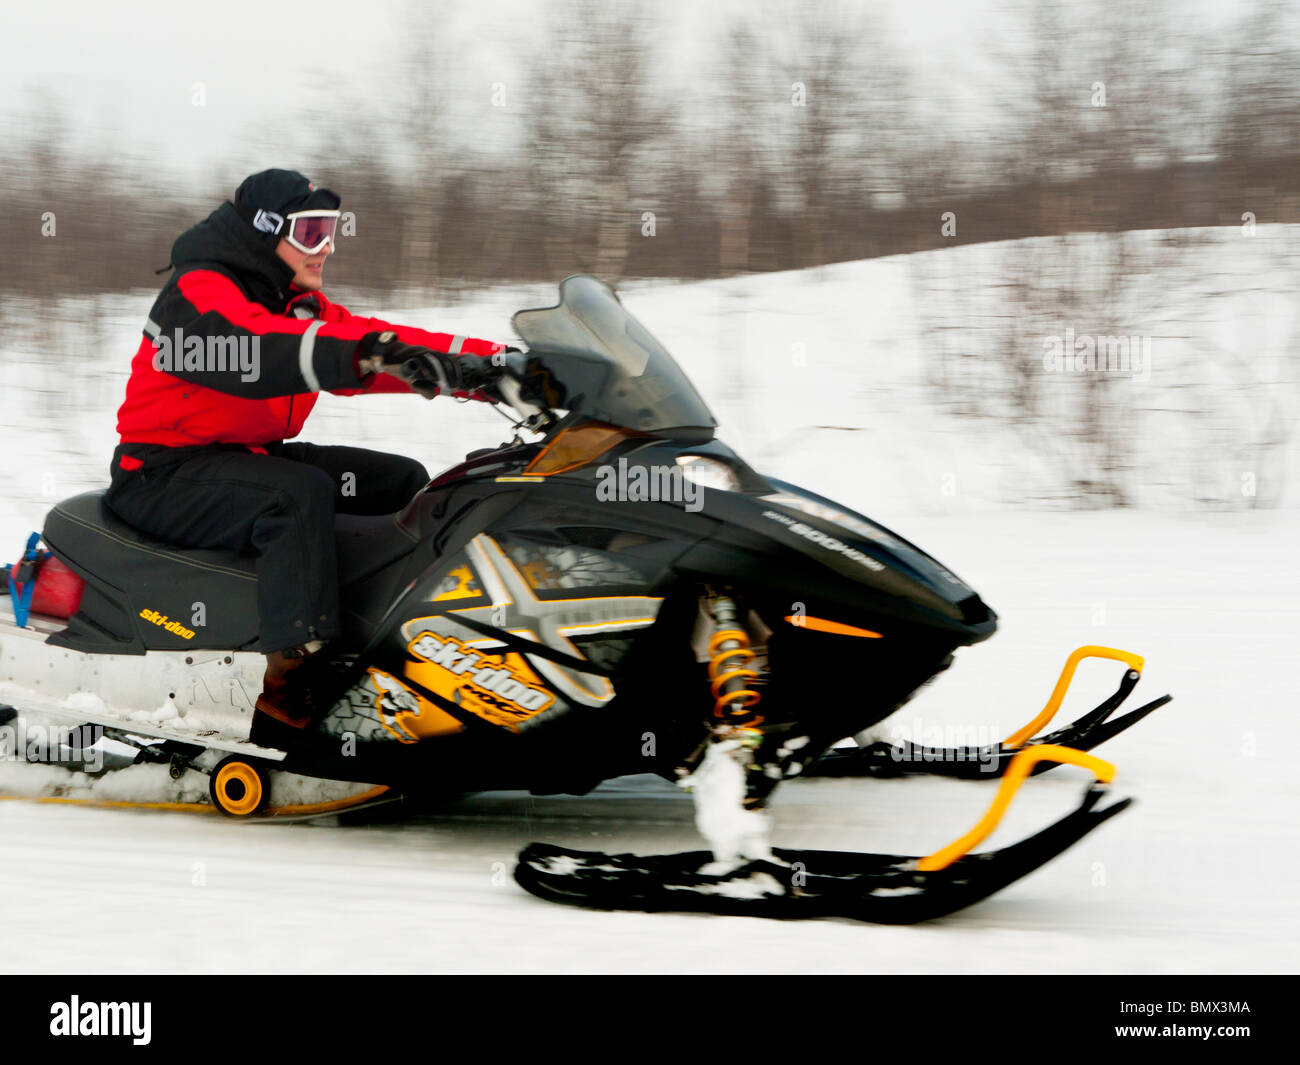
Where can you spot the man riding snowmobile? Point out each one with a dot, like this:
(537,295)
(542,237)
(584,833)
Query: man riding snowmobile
(516,625)
(235,349)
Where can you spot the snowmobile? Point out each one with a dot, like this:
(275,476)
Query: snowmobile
(622,594)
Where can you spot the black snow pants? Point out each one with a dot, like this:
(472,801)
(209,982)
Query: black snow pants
(279,506)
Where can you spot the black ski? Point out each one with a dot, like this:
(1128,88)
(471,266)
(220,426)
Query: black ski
(882,888)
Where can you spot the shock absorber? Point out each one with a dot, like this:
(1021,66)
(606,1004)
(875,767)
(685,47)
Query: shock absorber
(729,672)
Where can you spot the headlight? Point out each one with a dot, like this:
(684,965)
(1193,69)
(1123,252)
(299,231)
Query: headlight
(708,473)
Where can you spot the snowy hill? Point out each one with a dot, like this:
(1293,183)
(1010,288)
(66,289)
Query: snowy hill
(833,378)
(898,385)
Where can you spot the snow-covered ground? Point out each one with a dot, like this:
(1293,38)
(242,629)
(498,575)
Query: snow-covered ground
(1197,877)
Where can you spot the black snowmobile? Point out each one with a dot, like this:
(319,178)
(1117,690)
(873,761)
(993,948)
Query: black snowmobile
(623,595)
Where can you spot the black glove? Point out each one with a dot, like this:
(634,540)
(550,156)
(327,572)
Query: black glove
(430,373)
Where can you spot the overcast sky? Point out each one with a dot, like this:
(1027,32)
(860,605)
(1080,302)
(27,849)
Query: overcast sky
(124,75)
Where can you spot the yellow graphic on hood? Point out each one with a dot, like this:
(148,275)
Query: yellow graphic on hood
(514,607)
(459,583)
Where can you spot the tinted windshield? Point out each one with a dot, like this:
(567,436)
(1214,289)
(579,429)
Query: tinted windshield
(611,368)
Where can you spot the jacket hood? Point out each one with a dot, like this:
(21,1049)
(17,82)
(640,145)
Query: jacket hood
(225,239)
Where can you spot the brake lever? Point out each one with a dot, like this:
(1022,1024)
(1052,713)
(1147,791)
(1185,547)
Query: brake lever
(532,417)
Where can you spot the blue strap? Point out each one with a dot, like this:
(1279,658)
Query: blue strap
(23,600)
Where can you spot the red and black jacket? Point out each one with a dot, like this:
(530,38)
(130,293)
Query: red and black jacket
(230,284)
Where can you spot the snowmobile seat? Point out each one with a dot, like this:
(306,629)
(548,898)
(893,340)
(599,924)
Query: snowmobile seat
(143,594)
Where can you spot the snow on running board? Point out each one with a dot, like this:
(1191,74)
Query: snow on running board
(87,707)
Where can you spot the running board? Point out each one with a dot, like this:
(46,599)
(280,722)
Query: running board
(213,739)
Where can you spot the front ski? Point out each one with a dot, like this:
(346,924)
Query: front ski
(881,888)
(884,759)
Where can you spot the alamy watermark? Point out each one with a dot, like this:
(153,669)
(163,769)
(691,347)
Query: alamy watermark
(75,746)
(1086,353)
(946,743)
(209,354)
(647,484)
(77,1018)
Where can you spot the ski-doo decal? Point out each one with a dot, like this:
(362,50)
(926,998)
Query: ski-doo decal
(514,608)
(488,672)
(821,539)
(166,623)
(404,714)
(500,689)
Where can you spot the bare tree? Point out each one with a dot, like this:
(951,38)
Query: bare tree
(1261,112)
(597,131)
(814,114)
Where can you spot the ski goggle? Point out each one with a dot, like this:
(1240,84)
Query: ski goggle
(310,231)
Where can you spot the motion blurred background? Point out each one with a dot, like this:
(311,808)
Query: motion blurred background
(988,174)
(895,244)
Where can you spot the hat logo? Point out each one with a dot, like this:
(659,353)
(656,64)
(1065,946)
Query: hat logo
(268,221)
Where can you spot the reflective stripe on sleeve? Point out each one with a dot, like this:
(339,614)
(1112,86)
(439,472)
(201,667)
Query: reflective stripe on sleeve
(306,354)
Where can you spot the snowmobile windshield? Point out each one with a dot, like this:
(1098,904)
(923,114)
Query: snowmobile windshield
(608,366)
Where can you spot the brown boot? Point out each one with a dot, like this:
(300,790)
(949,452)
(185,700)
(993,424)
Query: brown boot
(282,700)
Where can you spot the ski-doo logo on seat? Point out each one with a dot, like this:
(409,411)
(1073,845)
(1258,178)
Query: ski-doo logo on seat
(164,622)
(485,671)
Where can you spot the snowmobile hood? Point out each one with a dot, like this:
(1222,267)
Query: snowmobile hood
(815,549)
(224,239)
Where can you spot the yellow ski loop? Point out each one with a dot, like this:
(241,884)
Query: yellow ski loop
(1134,662)
(1021,766)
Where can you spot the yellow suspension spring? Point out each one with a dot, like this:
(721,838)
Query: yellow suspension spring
(728,652)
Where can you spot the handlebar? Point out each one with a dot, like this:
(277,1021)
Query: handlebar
(533,417)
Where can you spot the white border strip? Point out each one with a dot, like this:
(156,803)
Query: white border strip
(306,355)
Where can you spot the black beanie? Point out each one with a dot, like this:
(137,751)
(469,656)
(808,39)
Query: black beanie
(263,199)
